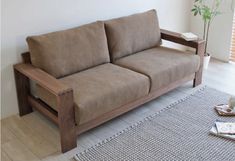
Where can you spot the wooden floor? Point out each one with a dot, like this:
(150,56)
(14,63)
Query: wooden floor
(33,137)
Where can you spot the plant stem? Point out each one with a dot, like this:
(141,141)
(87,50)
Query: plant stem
(204,31)
(207,35)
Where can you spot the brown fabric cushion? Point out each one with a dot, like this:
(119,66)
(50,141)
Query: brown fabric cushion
(66,52)
(103,88)
(131,34)
(162,65)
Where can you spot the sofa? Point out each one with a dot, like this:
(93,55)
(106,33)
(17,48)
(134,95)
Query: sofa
(90,74)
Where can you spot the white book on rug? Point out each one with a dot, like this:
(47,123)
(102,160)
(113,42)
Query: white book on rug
(188,36)
(225,127)
(214,131)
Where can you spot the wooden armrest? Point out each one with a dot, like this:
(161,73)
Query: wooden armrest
(176,37)
(199,45)
(43,79)
(64,118)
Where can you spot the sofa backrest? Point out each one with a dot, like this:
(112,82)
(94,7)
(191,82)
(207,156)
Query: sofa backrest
(131,34)
(66,52)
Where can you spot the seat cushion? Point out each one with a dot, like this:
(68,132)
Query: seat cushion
(82,47)
(131,34)
(101,89)
(162,65)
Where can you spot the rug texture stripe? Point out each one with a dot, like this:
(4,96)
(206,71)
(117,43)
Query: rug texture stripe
(178,132)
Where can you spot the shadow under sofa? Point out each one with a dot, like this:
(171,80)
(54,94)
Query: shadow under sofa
(88,75)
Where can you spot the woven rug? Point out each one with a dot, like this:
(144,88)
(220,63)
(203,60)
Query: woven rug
(178,132)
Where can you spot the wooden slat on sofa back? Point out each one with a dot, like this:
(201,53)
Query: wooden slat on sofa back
(26,57)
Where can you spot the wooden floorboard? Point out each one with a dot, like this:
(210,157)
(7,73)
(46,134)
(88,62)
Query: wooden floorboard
(16,150)
(35,122)
(39,145)
(33,137)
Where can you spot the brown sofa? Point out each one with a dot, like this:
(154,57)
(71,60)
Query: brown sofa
(93,73)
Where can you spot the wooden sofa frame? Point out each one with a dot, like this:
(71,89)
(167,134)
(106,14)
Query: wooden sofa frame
(65,116)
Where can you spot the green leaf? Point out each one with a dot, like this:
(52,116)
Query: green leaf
(200,12)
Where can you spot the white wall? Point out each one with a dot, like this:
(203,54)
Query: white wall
(220,34)
(21,18)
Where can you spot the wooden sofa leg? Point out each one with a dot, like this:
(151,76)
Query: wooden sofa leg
(23,90)
(198,78)
(66,119)
(200,51)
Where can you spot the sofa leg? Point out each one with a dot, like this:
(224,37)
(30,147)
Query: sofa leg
(68,139)
(66,120)
(23,90)
(198,78)
(200,51)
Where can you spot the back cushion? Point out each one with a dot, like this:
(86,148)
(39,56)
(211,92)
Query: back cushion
(131,34)
(66,52)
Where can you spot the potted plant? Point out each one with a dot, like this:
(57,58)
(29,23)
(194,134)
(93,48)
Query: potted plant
(208,11)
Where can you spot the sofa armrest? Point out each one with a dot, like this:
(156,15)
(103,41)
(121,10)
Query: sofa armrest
(199,45)
(42,78)
(176,37)
(65,117)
